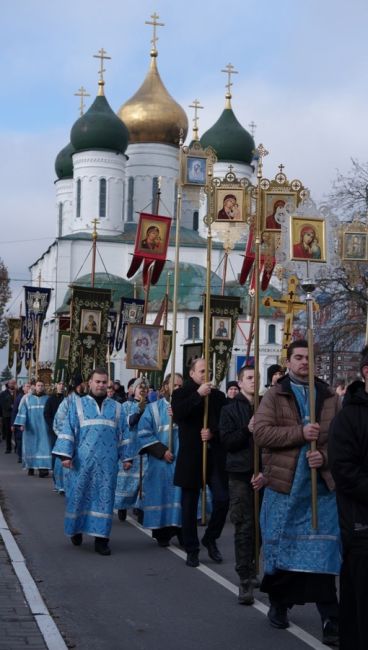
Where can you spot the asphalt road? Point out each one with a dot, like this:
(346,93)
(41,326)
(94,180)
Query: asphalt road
(142,597)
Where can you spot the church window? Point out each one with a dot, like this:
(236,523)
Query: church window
(79,198)
(272,333)
(60,220)
(193,327)
(195,220)
(130,198)
(154,195)
(102,198)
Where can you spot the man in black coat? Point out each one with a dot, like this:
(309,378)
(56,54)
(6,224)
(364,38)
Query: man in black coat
(348,458)
(236,425)
(188,412)
(7,399)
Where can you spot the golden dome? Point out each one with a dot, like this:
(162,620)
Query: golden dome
(152,115)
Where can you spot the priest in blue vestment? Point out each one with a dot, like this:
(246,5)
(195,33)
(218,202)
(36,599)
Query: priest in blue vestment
(90,444)
(161,499)
(36,442)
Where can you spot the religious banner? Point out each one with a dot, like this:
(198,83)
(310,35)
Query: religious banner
(88,329)
(224,311)
(14,329)
(61,370)
(131,311)
(36,304)
(150,247)
(191,351)
(111,329)
(267,259)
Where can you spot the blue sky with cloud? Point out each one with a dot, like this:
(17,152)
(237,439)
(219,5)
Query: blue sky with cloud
(302,79)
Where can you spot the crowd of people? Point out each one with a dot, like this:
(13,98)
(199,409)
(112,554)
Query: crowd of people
(110,451)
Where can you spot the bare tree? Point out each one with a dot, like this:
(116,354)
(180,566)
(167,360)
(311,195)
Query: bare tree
(349,192)
(5,294)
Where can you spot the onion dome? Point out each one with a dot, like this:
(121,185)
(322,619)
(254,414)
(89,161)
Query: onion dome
(99,128)
(64,162)
(231,142)
(152,115)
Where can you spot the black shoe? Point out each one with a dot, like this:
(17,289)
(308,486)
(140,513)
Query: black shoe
(192,559)
(163,542)
(43,473)
(212,549)
(245,596)
(330,632)
(102,546)
(8,451)
(122,515)
(31,472)
(77,539)
(277,615)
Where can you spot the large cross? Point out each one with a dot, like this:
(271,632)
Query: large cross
(101,55)
(82,93)
(252,127)
(196,105)
(290,306)
(229,70)
(154,22)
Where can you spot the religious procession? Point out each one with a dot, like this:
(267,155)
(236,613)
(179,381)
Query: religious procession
(179,387)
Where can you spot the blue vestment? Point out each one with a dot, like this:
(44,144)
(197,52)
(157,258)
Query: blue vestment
(161,499)
(61,473)
(93,439)
(128,482)
(289,541)
(36,443)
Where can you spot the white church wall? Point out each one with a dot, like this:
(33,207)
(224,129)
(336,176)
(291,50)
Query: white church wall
(64,197)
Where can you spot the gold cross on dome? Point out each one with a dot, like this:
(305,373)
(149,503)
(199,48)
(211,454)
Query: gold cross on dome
(101,55)
(82,93)
(196,105)
(229,70)
(154,22)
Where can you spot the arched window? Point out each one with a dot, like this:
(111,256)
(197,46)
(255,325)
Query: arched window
(154,194)
(193,327)
(102,198)
(60,220)
(130,198)
(272,333)
(79,198)
(195,220)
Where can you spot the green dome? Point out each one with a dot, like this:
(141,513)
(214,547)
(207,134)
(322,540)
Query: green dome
(119,288)
(64,162)
(99,128)
(231,142)
(192,286)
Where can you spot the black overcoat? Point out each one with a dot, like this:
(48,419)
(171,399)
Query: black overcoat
(188,412)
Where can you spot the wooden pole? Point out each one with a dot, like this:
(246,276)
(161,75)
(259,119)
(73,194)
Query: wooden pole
(206,357)
(309,287)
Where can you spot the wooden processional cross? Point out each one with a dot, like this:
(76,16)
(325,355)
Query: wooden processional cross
(290,306)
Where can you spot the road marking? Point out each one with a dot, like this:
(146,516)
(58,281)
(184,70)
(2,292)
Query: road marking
(44,620)
(295,630)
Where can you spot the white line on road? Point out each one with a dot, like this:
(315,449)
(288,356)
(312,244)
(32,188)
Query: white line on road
(45,622)
(295,630)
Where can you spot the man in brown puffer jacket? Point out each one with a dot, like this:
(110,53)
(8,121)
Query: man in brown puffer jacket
(300,563)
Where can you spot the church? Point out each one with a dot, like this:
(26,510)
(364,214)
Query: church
(113,168)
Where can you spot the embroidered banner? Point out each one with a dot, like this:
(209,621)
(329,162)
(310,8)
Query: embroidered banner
(36,304)
(88,329)
(14,329)
(225,311)
(61,370)
(131,311)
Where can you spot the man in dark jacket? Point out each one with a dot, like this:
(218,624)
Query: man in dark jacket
(348,456)
(7,399)
(236,424)
(188,412)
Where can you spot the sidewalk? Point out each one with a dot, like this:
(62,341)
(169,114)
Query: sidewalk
(19,629)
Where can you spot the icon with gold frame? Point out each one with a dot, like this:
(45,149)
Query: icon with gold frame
(195,169)
(144,347)
(277,207)
(231,204)
(308,239)
(354,246)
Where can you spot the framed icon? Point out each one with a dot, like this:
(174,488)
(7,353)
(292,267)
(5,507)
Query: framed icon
(277,208)
(144,347)
(221,328)
(308,240)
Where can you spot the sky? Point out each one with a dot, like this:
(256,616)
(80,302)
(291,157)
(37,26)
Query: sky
(302,78)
